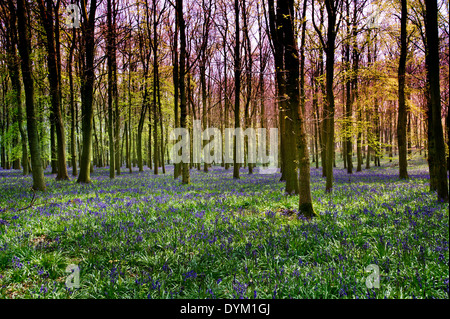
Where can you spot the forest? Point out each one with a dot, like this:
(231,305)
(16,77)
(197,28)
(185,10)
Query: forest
(245,149)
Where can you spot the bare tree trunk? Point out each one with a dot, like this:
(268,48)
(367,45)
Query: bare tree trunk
(434,96)
(128,123)
(162,144)
(249,66)
(117,153)
(46,11)
(13,68)
(72,107)
(315,105)
(155,105)
(87,88)
(183,120)
(175,63)
(348,101)
(332,7)
(237,87)
(402,111)
(305,199)
(225,80)
(140,129)
(110,59)
(24,47)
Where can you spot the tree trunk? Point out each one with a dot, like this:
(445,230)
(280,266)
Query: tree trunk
(53,147)
(162,144)
(237,88)
(175,63)
(315,105)
(432,64)
(72,107)
(140,129)
(249,66)
(24,47)
(402,111)
(110,59)
(183,119)
(305,200)
(87,89)
(291,69)
(348,101)
(331,7)
(46,11)
(225,80)
(117,153)
(155,88)
(13,67)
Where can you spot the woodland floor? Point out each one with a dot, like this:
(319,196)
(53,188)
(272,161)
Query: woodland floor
(146,236)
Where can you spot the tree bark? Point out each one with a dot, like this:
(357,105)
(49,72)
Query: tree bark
(72,106)
(331,7)
(24,47)
(402,111)
(110,58)
(348,95)
(434,96)
(237,87)
(305,199)
(182,86)
(175,63)
(13,63)
(155,88)
(46,11)
(87,89)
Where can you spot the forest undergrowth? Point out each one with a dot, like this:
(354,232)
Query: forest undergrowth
(146,236)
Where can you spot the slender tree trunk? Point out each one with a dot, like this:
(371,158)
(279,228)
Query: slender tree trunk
(110,58)
(155,88)
(128,121)
(24,47)
(117,153)
(72,107)
(391,147)
(348,101)
(162,144)
(237,88)
(402,111)
(87,89)
(368,137)
(249,66)
(305,199)
(434,96)
(53,147)
(261,87)
(376,124)
(140,129)
(323,130)
(183,115)
(225,80)
(331,7)
(46,11)
(315,104)
(175,63)
(149,155)
(13,63)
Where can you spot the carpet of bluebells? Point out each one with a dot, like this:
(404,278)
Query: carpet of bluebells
(146,236)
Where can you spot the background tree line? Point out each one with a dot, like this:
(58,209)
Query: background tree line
(363,80)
